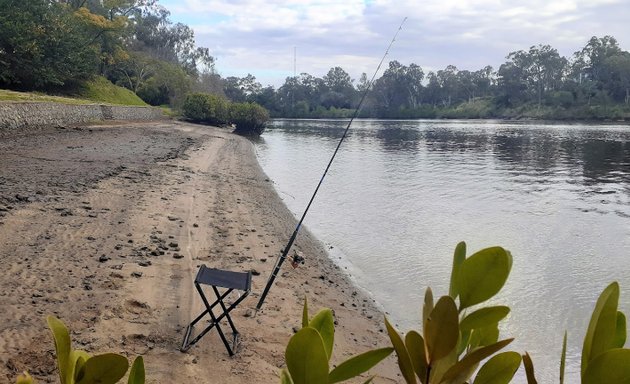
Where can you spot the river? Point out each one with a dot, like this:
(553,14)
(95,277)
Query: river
(402,194)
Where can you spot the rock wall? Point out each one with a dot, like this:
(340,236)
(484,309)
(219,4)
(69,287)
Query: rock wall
(16,116)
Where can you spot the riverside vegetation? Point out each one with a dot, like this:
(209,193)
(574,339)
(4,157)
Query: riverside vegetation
(249,118)
(457,335)
(78,367)
(134,44)
(453,342)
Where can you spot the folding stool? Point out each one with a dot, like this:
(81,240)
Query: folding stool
(217,278)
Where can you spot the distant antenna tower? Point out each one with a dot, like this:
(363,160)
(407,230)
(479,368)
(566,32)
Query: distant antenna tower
(294,80)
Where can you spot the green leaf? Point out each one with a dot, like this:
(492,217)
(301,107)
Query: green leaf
(77,371)
(563,357)
(25,378)
(285,377)
(324,323)
(417,353)
(529,369)
(482,275)
(463,341)
(404,361)
(305,313)
(62,346)
(458,258)
(358,364)
(620,333)
(500,369)
(612,366)
(137,375)
(471,359)
(483,317)
(107,368)
(441,331)
(428,306)
(484,336)
(601,332)
(440,367)
(306,357)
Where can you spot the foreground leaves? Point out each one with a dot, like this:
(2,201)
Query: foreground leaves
(309,351)
(78,367)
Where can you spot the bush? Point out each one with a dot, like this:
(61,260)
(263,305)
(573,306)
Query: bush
(78,367)
(309,352)
(561,99)
(249,118)
(206,108)
(458,335)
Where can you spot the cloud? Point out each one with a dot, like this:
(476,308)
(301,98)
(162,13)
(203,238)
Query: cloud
(258,37)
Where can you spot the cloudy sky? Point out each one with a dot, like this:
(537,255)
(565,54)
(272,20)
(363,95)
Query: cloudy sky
(259,36)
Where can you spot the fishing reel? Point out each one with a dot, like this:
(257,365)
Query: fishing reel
(297,259)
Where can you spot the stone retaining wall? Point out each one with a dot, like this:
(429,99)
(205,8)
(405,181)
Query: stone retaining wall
(19,115)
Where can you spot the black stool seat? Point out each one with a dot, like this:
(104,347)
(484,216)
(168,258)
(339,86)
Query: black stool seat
(225,279)
(218,278)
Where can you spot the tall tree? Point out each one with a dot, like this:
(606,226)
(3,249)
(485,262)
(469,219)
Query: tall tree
(43,45)
(616,76)
(449,82)
(400,86)
(542,67)
(590,59)
(340,92)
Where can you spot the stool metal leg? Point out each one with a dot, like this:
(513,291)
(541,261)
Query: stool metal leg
(214,319)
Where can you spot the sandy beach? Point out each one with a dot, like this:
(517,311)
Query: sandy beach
(105,227)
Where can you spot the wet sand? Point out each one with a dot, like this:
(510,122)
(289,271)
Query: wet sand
(105,227)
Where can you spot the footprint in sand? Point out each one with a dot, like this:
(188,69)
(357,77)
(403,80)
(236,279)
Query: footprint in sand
(137,307)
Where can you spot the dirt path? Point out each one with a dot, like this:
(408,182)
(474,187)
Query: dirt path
(106,226)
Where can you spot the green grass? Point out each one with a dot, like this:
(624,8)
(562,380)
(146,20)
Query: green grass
(99,90)
(6,95)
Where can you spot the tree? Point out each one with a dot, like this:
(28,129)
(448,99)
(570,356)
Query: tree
(135,70)
(449,82)
(512,84)
(232,89)
(616,76)
(400,86)
(413,75)
(542,68)
(483,80)
(590,59)
(156,35)
(43,45)
(169,85)
(340,92)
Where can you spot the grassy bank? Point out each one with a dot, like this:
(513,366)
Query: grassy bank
(97,90)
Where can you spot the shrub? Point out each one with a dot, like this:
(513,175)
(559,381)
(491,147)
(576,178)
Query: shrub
(453,342)
(249,118)
(206,108)
(309,351)
(77,367)
(457,335)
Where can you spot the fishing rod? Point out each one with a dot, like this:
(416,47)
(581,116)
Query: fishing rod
(286,250)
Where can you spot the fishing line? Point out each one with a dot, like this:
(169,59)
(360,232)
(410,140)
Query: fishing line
(286,250)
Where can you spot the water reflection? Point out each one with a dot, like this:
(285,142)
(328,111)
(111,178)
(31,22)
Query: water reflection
(592,156)
(402,193)
(398,139)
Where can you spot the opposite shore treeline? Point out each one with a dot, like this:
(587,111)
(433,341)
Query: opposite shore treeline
(56,46)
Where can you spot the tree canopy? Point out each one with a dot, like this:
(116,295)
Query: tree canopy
(52,45)
(590,84)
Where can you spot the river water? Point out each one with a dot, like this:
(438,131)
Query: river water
(402,194)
